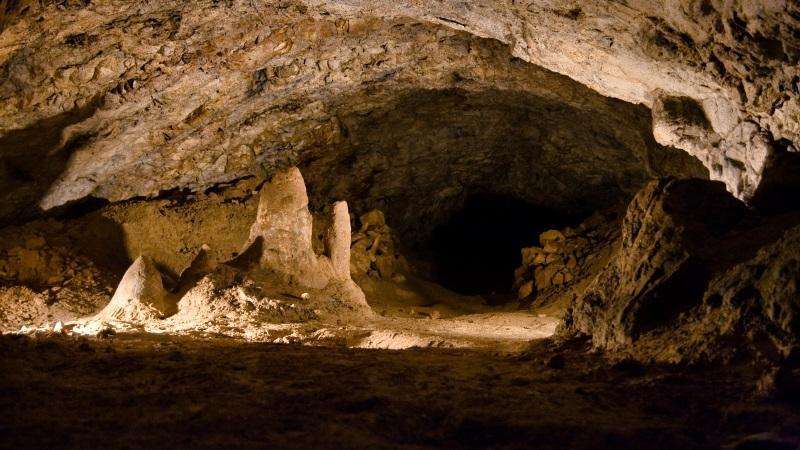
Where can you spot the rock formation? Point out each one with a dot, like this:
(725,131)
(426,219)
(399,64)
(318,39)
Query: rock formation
(408,108)
(684,283)
(283,231)
(185,95)
(140,296)
(374,250)
(221,145)
(227,302)
(735,61)
(286,282)
(337,241)
(566,258)
(283,237)
(186,100)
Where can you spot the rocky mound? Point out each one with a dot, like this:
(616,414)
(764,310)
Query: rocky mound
(374,251)
(686,283)
(140,296)
(43,279)
(225,301)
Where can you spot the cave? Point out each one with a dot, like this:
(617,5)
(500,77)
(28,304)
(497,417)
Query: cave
(371,224)
(477,250)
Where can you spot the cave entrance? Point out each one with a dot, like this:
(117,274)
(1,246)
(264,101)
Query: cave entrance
(477,250)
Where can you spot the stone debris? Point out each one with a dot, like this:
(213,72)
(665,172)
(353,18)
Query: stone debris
(374,252)
(224,302)
(565,256)
(43,279)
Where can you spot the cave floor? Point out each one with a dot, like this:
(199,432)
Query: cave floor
(159,391)
(497,330)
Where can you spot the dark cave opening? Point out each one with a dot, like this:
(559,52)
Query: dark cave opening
(477,250)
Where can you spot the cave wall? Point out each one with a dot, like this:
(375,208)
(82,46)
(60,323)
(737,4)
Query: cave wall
(422,153)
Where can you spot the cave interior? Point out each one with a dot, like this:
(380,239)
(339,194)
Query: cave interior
(556,225)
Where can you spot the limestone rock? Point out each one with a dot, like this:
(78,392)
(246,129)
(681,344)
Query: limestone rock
(222,301)
(565,257)
(525,290)
(760,296)
(372,221)
(374,250)
(140,296)
(282,239)
(338,241)
(686,49)
(669,231)
(284,227)
(687,284)
(551,236)
(189,100)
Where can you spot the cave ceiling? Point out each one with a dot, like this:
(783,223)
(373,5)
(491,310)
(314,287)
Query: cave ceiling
(120,99)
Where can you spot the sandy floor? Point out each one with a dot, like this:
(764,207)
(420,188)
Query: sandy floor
(145,391)
(502,330)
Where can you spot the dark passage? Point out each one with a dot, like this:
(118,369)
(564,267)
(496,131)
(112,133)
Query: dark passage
(477,250)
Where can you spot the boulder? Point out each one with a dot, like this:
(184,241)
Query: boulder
(530,255)
(552,241)
(373,252)
(525,290)
(372,220)
(567,258)
(755,304)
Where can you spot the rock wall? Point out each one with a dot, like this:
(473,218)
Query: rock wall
(697,277)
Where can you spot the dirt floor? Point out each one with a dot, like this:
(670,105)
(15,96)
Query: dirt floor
(149,391)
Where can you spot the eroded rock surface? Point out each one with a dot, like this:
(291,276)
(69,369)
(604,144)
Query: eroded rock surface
(737,61)
(686,283)
(117,100)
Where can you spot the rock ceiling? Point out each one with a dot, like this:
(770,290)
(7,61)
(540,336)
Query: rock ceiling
(118,99)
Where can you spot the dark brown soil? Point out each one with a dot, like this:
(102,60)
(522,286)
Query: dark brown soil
(175,392)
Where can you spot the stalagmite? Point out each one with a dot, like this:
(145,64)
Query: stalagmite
(338,241)
(284,224)
(140,296)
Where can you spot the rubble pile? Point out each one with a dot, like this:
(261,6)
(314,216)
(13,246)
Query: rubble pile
(374,251)
(566,257)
